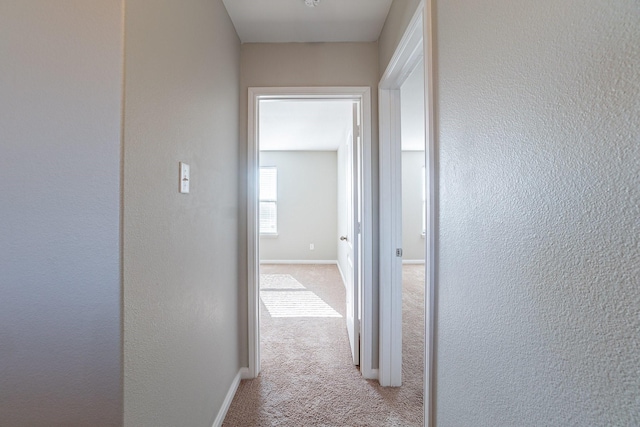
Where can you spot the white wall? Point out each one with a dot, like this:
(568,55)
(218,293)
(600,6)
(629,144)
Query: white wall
(307,64)
(60,111)
(307,210)
(413,242)
(181,335)
(412,111)
(412,126)
(539,237)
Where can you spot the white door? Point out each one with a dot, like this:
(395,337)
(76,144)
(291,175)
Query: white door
(352,239)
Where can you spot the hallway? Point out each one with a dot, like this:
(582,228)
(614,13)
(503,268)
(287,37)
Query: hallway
(307,378)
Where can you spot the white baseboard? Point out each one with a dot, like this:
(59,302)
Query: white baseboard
(300,261)
(229,397)
(372,374)
(413,261)
(244,374)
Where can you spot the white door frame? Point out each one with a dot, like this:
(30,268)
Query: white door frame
(406,57)
(363,96)
(411,49)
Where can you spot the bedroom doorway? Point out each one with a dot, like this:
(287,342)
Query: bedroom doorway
(264,202)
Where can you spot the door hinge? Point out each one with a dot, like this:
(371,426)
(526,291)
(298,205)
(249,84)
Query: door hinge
(357,131)
(359,228)
(399,252)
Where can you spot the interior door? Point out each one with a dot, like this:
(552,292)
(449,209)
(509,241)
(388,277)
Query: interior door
(352,239)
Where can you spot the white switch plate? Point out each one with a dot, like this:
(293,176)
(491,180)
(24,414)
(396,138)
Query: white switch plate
(184,177)
(311,246)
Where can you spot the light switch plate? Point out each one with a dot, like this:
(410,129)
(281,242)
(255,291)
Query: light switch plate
(184,177)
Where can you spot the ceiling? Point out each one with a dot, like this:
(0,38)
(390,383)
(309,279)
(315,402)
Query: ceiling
(283,21)
(304,125)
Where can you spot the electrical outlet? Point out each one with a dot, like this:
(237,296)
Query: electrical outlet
(311,247)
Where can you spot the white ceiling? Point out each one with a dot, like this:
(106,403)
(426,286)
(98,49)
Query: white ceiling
(283,21)
(306,125)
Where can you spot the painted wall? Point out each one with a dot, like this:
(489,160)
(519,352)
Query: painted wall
(412,127)
(412,111)
(307,210)
(399,16)
(539,259)
(180,250)
(307,64)
(60,133)
(413,243)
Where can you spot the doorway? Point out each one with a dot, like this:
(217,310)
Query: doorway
(358,279)
(413,224)
(415,46)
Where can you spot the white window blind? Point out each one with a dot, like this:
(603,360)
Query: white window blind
(268,200)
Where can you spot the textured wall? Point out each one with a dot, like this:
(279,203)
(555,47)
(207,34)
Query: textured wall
(60,122)
(308,64)
(399,16)
(307,211)
(180,250)
(539,269)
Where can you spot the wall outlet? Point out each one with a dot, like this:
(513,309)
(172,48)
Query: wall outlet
(311,247)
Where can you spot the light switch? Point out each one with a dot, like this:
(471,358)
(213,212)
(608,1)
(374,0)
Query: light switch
(184,177)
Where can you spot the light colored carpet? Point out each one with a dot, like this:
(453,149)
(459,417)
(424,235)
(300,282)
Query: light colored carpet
(307,378)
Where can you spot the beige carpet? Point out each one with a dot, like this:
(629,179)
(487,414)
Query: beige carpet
(307,378)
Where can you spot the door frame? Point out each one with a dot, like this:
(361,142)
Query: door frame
(363,96)
(416,45)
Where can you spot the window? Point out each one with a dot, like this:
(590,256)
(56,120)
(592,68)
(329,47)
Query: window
(268,200)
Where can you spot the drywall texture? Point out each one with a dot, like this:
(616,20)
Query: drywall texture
(308,64)
(307,210)
(539,259)
(180,250)
(398,19)
(60,121)
(413,242)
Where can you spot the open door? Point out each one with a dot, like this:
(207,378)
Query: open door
(352,239)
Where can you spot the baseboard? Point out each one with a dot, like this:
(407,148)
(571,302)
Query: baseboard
(244,374)
(229,397)
(413,261)
(372,374)
(300,261)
